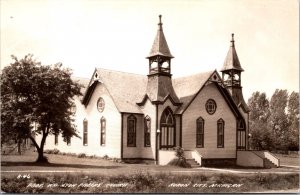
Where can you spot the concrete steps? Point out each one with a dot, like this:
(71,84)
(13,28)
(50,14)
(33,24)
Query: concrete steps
(193,163)
(269,164)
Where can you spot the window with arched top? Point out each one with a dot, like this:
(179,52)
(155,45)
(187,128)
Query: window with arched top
(103,131)
(85,132)
(167,127)
(200,132)
(131,131)
(241,134)
(147,129)
(220,133)
(167,117)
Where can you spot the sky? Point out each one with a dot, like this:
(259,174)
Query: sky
(118,35)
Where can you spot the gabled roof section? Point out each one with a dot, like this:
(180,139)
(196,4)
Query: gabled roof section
(160,46)
(232,61)
(188,87)
(90,88)
(125,88)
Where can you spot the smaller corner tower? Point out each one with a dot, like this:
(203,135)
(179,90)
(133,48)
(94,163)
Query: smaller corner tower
(231,75)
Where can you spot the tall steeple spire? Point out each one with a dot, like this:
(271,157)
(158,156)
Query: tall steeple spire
(160,46)
(232,60)
(159,86)
(231,75)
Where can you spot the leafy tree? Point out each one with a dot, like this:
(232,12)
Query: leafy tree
(278,119)
(37,99)
(293,119)
(261,136)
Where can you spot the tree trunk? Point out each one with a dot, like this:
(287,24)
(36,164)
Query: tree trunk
(41,158)
(40,150)
(19,146)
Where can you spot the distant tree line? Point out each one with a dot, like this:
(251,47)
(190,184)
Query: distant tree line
(274,123)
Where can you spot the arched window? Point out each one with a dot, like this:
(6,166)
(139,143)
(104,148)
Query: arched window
(241,134)
(167,125)
(200,132)
(131,131)
(147,128)
(220,133)
(85,132)
(103,131)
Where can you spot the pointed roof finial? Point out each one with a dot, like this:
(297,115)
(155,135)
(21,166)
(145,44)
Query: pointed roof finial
(232,40)
(160,23)
(160,46)
(232,61)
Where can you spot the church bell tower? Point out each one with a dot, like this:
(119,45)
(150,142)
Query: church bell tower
(160,55)
(159,86)
(231,75)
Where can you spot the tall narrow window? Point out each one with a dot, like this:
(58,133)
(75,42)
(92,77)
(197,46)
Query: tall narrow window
(103,131)
(56,138)
(85,132)
(131,131)
(241,135)
(147,125)
(167,127)
(220,133)
(200,133)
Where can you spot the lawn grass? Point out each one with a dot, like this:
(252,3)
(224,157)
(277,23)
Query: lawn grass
(289,159)
(137,177)
(153,183)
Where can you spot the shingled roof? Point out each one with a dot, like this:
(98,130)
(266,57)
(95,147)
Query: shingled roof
(126,89)
(160,46)
(232,61)
(187,87)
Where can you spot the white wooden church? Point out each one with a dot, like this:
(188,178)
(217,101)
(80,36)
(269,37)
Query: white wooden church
(129,116)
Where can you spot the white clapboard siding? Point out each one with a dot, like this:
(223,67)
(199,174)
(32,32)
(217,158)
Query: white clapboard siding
(112,148)
(197,109)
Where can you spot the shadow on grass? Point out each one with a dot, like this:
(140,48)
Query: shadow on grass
(11,164)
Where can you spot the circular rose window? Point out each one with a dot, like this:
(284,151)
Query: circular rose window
(211,106)
(100,104)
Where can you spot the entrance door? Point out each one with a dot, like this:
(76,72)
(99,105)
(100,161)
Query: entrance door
(167,126)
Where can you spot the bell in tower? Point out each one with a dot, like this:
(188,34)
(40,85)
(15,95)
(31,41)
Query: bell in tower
(160,55)
(159,85)
(231,75)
